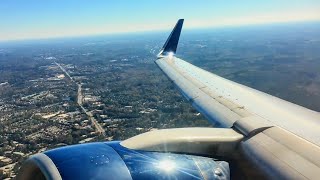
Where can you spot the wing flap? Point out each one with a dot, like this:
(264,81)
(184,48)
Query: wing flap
(283,155)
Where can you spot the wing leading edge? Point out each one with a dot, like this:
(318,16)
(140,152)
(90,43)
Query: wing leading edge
(274,126)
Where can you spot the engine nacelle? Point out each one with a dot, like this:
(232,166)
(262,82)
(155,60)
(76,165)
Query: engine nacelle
(110,160)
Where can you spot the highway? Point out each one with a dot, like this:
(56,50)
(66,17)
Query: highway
(64,70)
(94,122)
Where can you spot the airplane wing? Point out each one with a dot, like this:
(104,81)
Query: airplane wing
(280,137)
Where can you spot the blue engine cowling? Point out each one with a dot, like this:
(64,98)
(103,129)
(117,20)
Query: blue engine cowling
(110,160)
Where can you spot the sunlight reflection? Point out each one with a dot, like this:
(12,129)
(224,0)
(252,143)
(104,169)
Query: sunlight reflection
(170,55)
(166,165)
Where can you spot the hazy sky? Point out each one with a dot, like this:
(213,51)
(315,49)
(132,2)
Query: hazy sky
(27,19)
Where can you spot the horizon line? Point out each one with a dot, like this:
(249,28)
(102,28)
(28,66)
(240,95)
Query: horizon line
(153,30)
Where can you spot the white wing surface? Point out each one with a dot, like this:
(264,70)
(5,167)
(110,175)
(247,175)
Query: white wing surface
(224,102)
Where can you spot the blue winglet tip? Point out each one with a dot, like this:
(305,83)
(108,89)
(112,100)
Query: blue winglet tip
(170,47)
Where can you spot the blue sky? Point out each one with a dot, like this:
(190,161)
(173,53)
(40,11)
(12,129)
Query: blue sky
(32,19)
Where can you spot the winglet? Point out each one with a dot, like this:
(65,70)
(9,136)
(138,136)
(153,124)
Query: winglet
(170,47)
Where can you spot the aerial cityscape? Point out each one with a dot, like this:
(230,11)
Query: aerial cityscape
(58,92)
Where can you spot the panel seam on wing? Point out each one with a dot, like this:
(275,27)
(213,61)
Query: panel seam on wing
(186,75)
